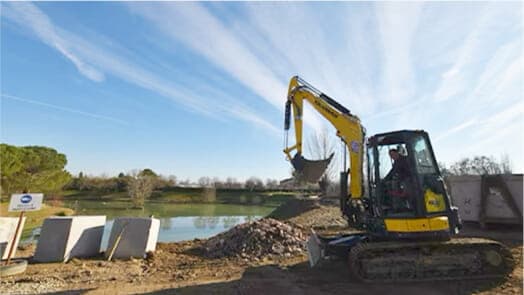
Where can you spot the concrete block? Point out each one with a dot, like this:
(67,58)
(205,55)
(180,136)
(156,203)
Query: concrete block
(466,195)
(63,238)
(7,233)
(139,236)
(515,186)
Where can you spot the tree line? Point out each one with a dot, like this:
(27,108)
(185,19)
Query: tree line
(108,184)
(478,165)
(39,168)
(42,169)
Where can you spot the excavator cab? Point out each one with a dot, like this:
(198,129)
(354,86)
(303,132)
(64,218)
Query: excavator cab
(406,189)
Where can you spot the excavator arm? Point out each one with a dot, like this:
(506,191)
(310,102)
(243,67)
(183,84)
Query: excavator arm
(347,125)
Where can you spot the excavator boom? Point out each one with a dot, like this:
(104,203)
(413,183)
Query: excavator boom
(347,125)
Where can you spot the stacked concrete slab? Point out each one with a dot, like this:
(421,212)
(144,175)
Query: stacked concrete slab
(63,238)
(466,194)
(138,236)
(7,233)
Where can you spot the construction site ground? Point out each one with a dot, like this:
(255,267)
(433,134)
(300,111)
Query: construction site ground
(177,268)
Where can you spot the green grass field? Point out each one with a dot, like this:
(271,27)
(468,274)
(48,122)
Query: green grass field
(191,195)
(35,218)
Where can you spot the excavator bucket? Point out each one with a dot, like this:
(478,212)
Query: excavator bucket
(310,170)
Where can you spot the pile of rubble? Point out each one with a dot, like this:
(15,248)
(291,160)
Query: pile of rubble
(257,239)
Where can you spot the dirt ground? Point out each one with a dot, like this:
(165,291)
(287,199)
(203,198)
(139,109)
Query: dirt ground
(177,268)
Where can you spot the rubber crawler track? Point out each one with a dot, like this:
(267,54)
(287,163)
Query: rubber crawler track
(457,259)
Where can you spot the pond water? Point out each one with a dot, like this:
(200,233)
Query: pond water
(178,222)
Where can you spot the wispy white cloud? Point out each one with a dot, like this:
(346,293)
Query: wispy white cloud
(480,40)
(231,51)
(488,132)
(177,19)
(493,124)
(64,109)
(402,110)
(306,44)
(31,17)
(302,45)
(397,23)
(28,15)
(500,72)
(456,129)
(501,137)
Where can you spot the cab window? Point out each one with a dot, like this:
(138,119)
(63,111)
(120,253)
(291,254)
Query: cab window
(385,161)
(423,158)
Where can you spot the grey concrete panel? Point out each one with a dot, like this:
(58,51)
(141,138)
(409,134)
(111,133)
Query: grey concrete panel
(63,238)
(466,195)
(138,236)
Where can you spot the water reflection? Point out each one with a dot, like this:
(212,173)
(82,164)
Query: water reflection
(166,223)
(190,227)
(211,222)
(230,221)
(202,222)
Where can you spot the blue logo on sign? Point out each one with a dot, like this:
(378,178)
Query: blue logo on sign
(26,199)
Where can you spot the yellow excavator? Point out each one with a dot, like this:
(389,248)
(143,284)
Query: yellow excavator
(405,222)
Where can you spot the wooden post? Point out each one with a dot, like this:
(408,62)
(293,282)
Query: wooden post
(117,242)
(13,242)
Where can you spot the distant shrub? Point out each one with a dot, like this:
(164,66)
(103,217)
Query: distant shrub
(243,199)
(209,194)
(257,200)
(56,202)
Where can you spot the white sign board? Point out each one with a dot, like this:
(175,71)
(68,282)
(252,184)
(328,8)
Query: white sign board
(26,202)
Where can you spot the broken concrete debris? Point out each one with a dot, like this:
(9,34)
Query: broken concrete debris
(257,239)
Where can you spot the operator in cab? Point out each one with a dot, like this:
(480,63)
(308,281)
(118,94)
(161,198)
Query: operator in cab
(400,169)
(399,179)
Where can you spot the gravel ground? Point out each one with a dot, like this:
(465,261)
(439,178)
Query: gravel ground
(183,268)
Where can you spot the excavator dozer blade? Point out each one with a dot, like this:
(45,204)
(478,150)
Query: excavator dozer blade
(314,249)
(310,170)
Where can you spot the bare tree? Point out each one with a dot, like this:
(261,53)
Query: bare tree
(139,187)
(321,146)
(216,182)
(254,183)
(505,164)
(232,183)
(204,181)
(271,184)
(172,180)
(480,165)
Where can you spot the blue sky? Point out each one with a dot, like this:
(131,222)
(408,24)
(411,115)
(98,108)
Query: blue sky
(198,88)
